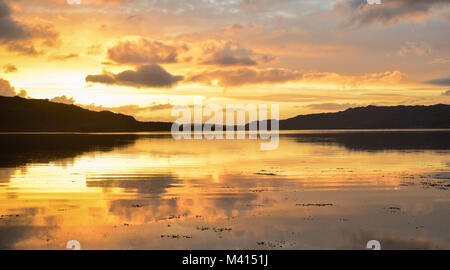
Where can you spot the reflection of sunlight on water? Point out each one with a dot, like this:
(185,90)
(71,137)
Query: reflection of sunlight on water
(224,194)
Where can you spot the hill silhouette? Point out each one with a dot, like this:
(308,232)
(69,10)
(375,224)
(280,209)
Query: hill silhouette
(39,115)
(374,117)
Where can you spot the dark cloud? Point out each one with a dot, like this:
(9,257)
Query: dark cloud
(9,29)
(359,12)
(246,76)
(440,81)
(230,54)
(145,51)
(107,79)
(21,38)
(10,68)
(152,76)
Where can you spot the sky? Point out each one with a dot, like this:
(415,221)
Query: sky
(143,57)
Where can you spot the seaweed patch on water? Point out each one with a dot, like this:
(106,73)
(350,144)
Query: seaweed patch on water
(175,236)
(442,185)
(264,172)
(9,216)
(258,190)
(314,204)
(275,244)
(219,230)
(215,229)
(172,217)
(393,209)
(406,184)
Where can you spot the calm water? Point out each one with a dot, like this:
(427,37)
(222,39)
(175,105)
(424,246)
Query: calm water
(318,190)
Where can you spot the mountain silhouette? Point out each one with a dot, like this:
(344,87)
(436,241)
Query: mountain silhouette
(374,117)
(38,115)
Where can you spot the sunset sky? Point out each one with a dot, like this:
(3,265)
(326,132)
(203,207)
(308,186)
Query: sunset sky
(142,57)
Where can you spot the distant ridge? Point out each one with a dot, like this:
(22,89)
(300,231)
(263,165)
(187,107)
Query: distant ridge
(374,117)
(39,115)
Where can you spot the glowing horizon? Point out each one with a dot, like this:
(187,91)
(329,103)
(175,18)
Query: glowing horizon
(138,57)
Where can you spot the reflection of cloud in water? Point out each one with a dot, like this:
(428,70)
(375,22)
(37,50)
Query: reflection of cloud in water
(144,211)
(234,201)
(16,227)
(231,196)
(389,241)
(5,174)
(248,181)
(155,209)
(146,184)
(12,235)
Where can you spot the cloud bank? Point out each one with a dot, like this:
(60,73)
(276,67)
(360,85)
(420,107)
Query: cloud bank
(359,12)
(231,54)
(21,38)
(9,28)
(252,76)
(440,81)
(145,51)
(8,91)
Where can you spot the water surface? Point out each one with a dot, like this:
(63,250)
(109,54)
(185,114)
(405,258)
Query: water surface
(318,190)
